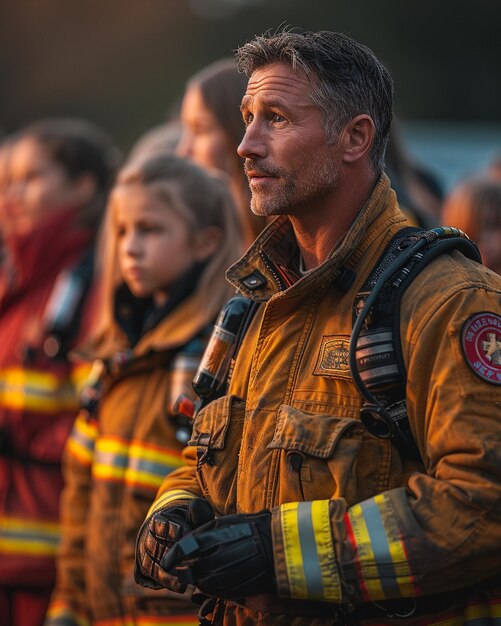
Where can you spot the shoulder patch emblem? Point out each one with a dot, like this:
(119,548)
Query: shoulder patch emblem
(481,343)
(333,357)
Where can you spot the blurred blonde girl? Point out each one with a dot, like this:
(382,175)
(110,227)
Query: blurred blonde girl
(170,234)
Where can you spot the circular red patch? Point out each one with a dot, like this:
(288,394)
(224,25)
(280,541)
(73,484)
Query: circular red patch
(481,341)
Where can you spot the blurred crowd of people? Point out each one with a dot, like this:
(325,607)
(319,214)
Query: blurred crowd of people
(111,275)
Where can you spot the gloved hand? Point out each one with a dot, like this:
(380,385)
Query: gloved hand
(229,557)
(157,536)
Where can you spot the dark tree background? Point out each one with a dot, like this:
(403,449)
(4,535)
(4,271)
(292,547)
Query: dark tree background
(123,63)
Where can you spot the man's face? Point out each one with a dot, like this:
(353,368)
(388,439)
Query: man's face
(291,168)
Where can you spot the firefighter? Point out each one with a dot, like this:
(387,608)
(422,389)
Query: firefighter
(316,519)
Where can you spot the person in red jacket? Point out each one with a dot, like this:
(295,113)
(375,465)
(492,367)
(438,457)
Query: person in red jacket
(60,171)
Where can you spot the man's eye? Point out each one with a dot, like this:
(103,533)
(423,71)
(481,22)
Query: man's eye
(278,118)
(248,118)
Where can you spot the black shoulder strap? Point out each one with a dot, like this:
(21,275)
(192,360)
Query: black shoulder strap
(375,354)
(63,312)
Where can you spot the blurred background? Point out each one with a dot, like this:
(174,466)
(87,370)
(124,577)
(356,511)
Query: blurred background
(124,63)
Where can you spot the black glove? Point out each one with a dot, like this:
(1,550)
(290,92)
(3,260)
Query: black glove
(157,536)
(229,557)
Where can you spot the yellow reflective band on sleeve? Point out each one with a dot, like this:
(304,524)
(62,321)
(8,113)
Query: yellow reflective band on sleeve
(137,464)
(150,464)
(80,375)
(292,550)
(168,497)
(381,558)
(325,548)
(309,551)
(111,459)
(396,548)
(34,390)
(82,440)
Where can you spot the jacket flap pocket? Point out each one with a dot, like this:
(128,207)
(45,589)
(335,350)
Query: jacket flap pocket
(214,419)
(315,434)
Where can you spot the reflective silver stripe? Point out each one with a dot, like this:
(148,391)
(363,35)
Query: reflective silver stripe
(311,565)
(379,371)
(372,338)
(382,347)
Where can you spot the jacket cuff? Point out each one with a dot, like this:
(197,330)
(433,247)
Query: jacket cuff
(305,559)
(171,498)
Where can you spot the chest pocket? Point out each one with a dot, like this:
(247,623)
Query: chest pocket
(323,456)
(217,432)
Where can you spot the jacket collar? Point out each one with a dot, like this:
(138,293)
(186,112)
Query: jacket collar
(257,275)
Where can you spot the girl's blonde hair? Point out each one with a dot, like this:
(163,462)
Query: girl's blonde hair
(200,198)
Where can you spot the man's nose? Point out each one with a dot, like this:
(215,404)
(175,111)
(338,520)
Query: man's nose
(253,144)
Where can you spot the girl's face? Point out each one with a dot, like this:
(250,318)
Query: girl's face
(154,245)
(38,186)
(203,140)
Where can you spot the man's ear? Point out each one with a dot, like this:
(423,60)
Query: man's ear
(207,241)
(358,137)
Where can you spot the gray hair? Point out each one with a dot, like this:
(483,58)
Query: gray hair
(348,78)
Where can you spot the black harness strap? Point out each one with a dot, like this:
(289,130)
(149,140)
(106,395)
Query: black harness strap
(375,355)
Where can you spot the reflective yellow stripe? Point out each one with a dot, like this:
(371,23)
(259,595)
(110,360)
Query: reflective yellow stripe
(83,454)
(168,497)
(292,550)
(17,523)
(365,553)
(80,375)
(156,454)
(325,549)
(40,391)
(82,440)
(27,547)
(142,479)
(381,557)
(137,464)
(110,459)
(308,548)
(396,548)
(18,536)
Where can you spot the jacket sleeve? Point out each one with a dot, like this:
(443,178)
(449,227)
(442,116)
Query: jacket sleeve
(181,485)
(443,530)
(68,604)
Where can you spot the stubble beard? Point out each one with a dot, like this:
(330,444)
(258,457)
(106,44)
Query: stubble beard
(292,192)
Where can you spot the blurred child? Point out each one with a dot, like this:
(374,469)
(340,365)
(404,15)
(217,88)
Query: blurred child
(475,207)
(213,129)
(59,174)
(171,232)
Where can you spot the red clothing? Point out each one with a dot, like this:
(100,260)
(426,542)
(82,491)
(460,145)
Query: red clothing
(38,401)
